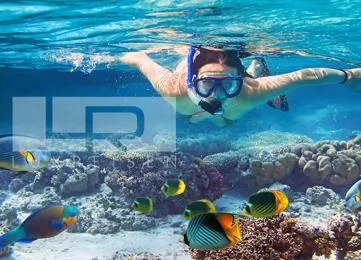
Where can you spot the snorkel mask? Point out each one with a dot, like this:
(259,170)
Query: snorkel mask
(202,88)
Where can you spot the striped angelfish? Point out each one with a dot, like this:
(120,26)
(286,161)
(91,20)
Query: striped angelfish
(213,231)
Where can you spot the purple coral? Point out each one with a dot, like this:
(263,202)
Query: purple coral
(215,186)
(147,176)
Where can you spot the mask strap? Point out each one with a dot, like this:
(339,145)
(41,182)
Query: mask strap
(190,57)
(214,107)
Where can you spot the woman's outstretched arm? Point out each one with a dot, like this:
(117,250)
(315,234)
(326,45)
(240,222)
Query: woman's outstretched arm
(265,88)
(161,78)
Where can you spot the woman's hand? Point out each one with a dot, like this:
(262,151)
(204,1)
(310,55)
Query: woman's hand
(355,80)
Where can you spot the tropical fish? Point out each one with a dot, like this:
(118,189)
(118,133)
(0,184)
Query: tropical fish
(143,204)
(213,231)
(266,204)
(22,154)
(173,187)
(353,197)
(199,207)
(43,223)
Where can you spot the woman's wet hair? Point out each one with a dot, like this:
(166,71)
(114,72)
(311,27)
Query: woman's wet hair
(227,57)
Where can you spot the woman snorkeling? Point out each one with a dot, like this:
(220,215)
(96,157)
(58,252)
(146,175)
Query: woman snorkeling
(213,84)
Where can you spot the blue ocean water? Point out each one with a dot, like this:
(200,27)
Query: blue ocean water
(62,48)
(56,48)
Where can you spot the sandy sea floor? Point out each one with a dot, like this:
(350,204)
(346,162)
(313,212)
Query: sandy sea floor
(70,246)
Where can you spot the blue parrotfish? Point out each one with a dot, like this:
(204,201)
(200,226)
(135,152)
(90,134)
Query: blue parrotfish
(43,223)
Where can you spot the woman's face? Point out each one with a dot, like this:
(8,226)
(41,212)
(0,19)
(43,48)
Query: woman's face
(217,70)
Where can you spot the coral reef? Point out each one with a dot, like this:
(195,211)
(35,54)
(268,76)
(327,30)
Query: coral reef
(214,186)
(8,217)
(267,172)
(232,164)
(287,238)
(204,144)
(8,220)
(105,214)
(321,196)
(101,213)
(16,184)
(263,158)
(334,163)
(316,205)
(258,159)
(69,177)
(247,169)
(355,141)
(29,201)
(147,175)
(227,161)
(275,238)
(104,186)
(347,233)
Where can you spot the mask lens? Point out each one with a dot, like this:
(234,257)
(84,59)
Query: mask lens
(231,86)
(204,87)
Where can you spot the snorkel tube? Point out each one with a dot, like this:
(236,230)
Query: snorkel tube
(213,107)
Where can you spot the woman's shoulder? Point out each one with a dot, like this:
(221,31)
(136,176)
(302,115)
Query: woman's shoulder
(180,78)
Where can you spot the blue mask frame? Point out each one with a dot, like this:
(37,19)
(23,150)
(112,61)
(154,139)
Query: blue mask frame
(217,82)
(190,57)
